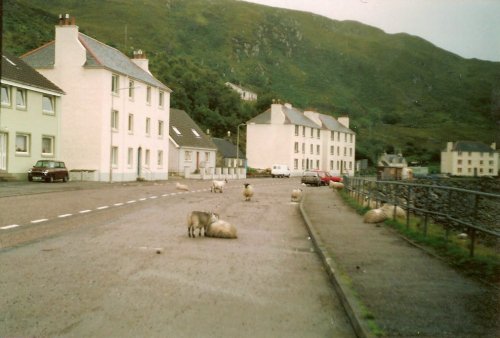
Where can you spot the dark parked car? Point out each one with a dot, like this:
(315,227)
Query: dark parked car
(48,171)
(311,177)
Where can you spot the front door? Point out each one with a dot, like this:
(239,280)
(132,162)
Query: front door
(3,151)
(139,159)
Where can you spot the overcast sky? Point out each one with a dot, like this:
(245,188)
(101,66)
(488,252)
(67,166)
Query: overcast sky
(469,28)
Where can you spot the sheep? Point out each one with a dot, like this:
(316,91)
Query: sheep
(388,209)
(218,185)
(221,229)
(375,216)
(199,220)
(296,195)
(248,191)
(179,186)
(336,185)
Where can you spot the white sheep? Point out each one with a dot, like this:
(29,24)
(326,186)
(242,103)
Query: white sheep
(248,191)
(388,209)
(221,229)
(183,187)
(296,195)
(200,220)
(375,216)
(336,185)
(218,185)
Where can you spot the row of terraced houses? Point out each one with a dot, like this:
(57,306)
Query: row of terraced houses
(86,103)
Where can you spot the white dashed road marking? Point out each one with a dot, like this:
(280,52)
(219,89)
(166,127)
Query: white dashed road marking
(132,201)
(84,211)
(103,207)
(118,204)
(39,220)
(65,215)
(9,226)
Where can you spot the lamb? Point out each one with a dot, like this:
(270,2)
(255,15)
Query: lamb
(218,185)
(221,229)
(248,192)
(296,195)
(199,220)
(179,186)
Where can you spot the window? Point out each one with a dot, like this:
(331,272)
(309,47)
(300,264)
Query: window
(345,137)
(303,166)
(312,132)
(481,162)
(21,98)
(303,131)
(296,130)
(131,89)
(332,136)
(130,123)
(160,158)
(195,133)
(148,95)
(318,133)
(350,138)
(490,162)
(311,149)
(22,143)
(207,156)
(115,83)
(295,164)
(130,157)
(459,170)
(317,149)
(148,126)
(332,150)
(114,156)
(5,96)
(48,104)
(303,148)
(160,128)
(187,156)
(47,145)
(331,165)
(469,162)
(350,151)
(147,158)
(296,147)
(338,150)
(176,131)
(350,165)
(345,151)
(490,171)
(317,164)
(160,99)
(114,119)
(338,136)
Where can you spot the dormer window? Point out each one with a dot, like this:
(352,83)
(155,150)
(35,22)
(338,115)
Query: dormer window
(48,104)
(195,133)
(176,131)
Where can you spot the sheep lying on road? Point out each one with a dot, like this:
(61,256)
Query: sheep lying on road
(221,229)
(296,195)
(336,185)
(388,209)
(218,185)
(179,186)
(375,216)
(248,192)
(200,220)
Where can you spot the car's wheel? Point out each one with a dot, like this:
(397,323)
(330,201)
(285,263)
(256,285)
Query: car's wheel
(30,178)
(50,179)
(65,178)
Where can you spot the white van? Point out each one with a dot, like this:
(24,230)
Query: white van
(280,170)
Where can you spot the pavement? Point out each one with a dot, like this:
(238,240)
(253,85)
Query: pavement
(390,287)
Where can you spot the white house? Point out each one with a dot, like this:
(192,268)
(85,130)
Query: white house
(191,150)
(245,94)
(116,119)
(470,158)
(301,140)
(30,117)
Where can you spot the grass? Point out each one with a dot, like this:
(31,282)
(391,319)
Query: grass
(484,265)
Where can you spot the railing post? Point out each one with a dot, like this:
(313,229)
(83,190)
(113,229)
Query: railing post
(473,231)
(408,199)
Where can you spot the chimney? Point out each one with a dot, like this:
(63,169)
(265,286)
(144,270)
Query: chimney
(65,20)
(68,49)
(449,146)
(141,60)
(494,146)
(277,115)
(344,120)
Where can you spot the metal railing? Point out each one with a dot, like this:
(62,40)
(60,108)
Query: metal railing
(452,208)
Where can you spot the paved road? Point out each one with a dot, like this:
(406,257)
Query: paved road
(98,274)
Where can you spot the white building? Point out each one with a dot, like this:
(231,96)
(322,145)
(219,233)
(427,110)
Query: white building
(245,94)
(301,140)
(30,118)
(116,114)
(470,158)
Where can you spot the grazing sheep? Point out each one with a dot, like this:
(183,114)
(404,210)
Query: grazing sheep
(179,186)
(388,209)
(221,229)
(218,185)
(248,192)
(199,220)
(375,216)
(296,195)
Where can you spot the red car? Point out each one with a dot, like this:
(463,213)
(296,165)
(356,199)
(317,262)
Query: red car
(326,177)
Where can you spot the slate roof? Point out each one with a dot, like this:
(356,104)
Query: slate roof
(16,70)
(227,149)
(330,123)
(99,55)
(292,116)
(181,121)
(471,146)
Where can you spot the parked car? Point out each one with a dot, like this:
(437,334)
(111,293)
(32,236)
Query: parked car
(280,170)
(48,171)
(326,177)
(311,177)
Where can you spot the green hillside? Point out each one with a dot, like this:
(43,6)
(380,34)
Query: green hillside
(399,90)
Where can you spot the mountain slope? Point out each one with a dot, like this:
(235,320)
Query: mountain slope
(399,90)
